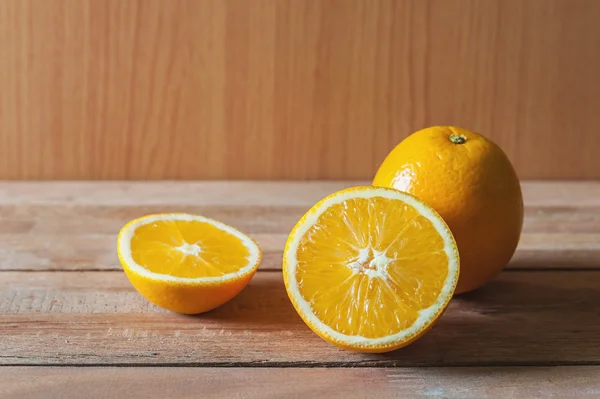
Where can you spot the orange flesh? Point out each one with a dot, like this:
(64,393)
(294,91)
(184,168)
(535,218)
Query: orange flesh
(189,249)
(369,265)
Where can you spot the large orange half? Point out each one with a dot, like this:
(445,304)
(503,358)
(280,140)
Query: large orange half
(370,269)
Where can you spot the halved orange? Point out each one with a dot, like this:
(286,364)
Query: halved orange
(370,269)
(186,263)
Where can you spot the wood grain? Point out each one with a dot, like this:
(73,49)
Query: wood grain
(73,226)
(186,89)
(65,302)
(376,383)
(542,194)
(572,223)
(88,252)
(87,318)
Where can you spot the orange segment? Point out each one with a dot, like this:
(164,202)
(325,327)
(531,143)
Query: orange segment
(189,249)
(186,263)
(370,269)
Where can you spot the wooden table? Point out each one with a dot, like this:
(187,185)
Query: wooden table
(65,303)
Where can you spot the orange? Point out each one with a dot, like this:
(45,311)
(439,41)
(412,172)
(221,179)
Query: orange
(186,263)
(471,183)
(370,269)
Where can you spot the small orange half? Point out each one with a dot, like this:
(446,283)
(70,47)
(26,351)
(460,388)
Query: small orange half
(186,263)
(370,269)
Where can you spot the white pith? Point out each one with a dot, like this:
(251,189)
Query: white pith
(377,267)
(189,249)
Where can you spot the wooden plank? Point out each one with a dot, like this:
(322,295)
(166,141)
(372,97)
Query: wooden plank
(561,193)
(96,251)
(59,318)
(73,226)
(273,219)
(290,89)
(88,252)
(376,383)
(574,194)
(89,219)
(204,193)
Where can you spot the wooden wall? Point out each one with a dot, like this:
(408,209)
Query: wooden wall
(153,89)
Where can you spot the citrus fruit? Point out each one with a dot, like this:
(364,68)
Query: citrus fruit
(471,183)
(370,269)
(186,263)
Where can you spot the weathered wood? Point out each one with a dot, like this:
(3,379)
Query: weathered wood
(205,193)
(73,225)
(87,252)
(66,219)
(248,193)
(64,301)
(57,318)
(426,383)
(85,219)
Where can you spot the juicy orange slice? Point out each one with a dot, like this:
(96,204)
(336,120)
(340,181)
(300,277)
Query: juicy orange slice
(370,269)
(186,263)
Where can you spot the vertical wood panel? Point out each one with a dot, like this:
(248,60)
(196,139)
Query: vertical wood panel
(151,89)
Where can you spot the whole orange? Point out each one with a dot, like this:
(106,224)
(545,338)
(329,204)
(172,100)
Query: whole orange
(471,183)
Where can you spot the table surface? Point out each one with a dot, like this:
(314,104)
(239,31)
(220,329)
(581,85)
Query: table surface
(64,301)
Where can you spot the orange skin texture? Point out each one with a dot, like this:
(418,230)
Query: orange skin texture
(185,297)
(472,185)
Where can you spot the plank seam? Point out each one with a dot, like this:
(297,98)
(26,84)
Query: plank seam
(356,364)
(271,270)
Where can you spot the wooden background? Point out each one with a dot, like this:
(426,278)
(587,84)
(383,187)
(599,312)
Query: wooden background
(154,89)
